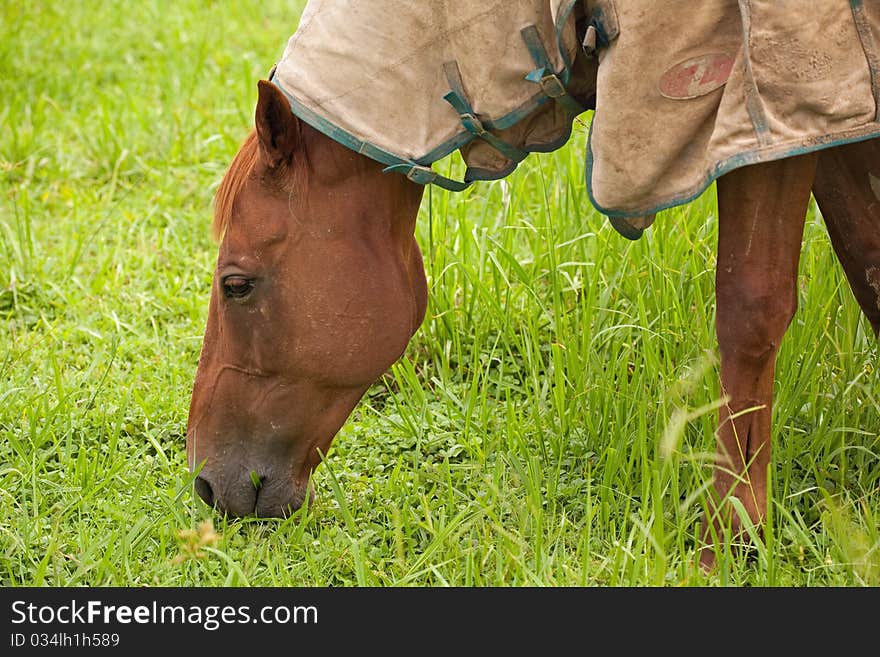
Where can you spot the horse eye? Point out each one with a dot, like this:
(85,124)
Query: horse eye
(237,287)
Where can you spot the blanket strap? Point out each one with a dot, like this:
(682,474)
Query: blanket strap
(426,176)
(418,173)
(550,83)
(460,103)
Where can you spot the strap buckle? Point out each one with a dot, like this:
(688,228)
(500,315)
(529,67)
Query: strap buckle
(552,86)
(472,124)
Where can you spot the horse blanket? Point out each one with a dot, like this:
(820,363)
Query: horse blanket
(683,91)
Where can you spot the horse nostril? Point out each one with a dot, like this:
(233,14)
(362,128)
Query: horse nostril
(203,488)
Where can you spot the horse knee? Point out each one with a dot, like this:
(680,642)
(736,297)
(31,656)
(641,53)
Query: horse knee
(752,319)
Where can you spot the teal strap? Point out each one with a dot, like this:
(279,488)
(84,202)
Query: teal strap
(552,86)
(460,103)
(418,173)
(426,176)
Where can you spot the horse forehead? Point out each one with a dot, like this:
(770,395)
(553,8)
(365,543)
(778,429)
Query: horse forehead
(260,217)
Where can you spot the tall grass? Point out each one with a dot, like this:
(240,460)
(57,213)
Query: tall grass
(551,423)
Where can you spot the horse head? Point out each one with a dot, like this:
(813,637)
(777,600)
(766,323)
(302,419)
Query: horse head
(318,288)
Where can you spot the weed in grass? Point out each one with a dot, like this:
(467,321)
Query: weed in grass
(194,541)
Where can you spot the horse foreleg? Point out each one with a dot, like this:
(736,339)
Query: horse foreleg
(847,189)
(760,228)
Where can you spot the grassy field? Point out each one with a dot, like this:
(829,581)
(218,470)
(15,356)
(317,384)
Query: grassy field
(550,423)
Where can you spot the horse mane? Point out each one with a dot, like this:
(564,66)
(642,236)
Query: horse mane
(239,170)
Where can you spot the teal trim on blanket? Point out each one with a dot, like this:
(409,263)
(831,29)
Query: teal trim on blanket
(447,147)
(765,154)
(473,174)
(413,170)
(623,227)
(506,121)
(418,169)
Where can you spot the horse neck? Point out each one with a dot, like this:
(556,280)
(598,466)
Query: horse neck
(382,201)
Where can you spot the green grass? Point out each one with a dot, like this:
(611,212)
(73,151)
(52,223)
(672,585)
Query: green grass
(550,423)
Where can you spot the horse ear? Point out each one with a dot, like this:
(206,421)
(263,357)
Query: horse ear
(277,127)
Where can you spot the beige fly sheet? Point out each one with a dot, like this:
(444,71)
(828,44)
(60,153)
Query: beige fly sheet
(408,82)
(688,90)
(683,90)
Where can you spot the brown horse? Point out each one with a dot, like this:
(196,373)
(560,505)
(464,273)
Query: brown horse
(320,285)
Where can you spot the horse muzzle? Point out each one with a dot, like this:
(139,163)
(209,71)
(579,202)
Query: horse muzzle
(249,493)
